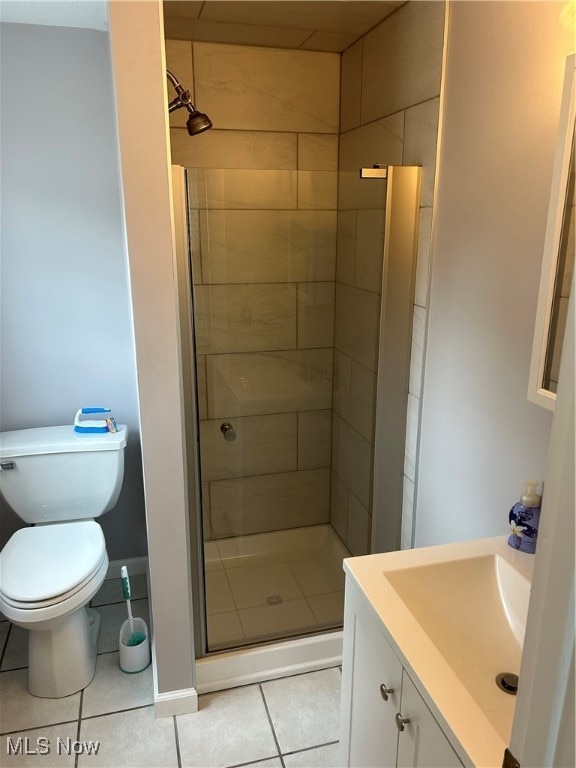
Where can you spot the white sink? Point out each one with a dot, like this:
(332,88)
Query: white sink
(456,615)
(474,611)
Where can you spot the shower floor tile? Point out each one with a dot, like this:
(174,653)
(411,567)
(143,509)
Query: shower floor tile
(273,585)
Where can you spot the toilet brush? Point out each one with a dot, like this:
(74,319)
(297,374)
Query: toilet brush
(135,637)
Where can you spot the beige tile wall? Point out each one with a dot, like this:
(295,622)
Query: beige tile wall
(263,199)
(388,114)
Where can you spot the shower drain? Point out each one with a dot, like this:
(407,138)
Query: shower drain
(274,599)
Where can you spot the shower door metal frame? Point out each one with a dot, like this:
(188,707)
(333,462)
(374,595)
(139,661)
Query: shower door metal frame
(184,285)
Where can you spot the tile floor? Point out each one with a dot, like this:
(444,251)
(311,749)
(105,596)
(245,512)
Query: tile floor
(289,723)
(272,585)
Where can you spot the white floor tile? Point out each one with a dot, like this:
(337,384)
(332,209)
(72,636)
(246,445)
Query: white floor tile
(320,757)
(130,739)
(16,653)
(20,710)
(230,727)
(274,620)
(305,709)
(112,690)
(252,587)
(50,752)
(274,762)
(112,618)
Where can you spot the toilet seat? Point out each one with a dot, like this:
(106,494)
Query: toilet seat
(50,570)
(46,564)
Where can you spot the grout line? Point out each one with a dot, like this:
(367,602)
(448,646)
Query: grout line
(255,762)
(38,727)
(118,711)
(307,749)
(178,755)
(271,724)
(77,755)
(5,647)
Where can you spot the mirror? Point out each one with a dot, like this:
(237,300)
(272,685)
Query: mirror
(558,261)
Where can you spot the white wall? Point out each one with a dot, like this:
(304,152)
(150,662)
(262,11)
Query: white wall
(480,437)
(66,321)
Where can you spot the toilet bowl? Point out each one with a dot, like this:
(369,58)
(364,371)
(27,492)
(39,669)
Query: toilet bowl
(51,571)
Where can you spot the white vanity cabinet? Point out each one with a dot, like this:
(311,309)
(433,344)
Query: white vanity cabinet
(384,720)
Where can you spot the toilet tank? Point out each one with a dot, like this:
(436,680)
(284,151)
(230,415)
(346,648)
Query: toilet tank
(53,474)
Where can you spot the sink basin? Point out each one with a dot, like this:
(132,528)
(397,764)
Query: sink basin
(474,611)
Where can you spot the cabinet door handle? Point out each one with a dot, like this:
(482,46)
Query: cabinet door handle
(384,691)
(401,721)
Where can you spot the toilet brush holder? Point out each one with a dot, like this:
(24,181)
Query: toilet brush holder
(134,657)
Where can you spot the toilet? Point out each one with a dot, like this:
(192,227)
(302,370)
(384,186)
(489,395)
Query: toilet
(58,481)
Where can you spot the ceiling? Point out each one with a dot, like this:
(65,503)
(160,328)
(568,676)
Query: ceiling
(319,25)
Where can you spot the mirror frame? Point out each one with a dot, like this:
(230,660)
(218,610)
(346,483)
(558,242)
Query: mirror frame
(536,392)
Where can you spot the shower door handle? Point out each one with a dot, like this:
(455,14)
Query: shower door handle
(228,431)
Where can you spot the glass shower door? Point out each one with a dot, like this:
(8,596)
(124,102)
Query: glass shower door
(302,381)
(263,272)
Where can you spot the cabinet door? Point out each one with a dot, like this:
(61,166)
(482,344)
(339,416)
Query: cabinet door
(422,743)
(373,732)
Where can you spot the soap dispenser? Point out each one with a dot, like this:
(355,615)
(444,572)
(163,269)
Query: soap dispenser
(524,518)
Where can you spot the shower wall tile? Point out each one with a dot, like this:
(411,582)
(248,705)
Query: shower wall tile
(268,246)
(363,401)
(423,259)
(272,382)
(339,506)
(407,514)
(314,439)
(412,412)
(318,190)
(201,386)
(420,139)
(352,460)
(359,527)
(402,62)
(263,445)
(315,315)
(346,247)
(342,383)
(255,150)
(351,87)
(268,89)
(179,62)
(245,318)
(417,353)
(194,235)
(243,189)
(370,250)
(206,522)
(317,152)
(377,142)
(270,502)
(358,338)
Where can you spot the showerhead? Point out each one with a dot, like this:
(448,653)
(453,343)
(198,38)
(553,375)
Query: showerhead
(197,122)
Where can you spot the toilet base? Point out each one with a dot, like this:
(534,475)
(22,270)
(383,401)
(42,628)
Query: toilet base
(62,659)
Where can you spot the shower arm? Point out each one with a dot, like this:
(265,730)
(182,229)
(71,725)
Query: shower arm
(183,97)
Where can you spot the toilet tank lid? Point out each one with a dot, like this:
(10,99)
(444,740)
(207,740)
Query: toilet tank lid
(39,440)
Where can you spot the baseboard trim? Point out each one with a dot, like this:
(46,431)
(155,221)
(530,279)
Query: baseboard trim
(136,566)
(176,703)
(268,662)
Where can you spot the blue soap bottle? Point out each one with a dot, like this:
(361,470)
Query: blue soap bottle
(524,519)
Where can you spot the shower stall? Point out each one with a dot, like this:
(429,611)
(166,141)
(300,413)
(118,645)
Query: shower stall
(296,315)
